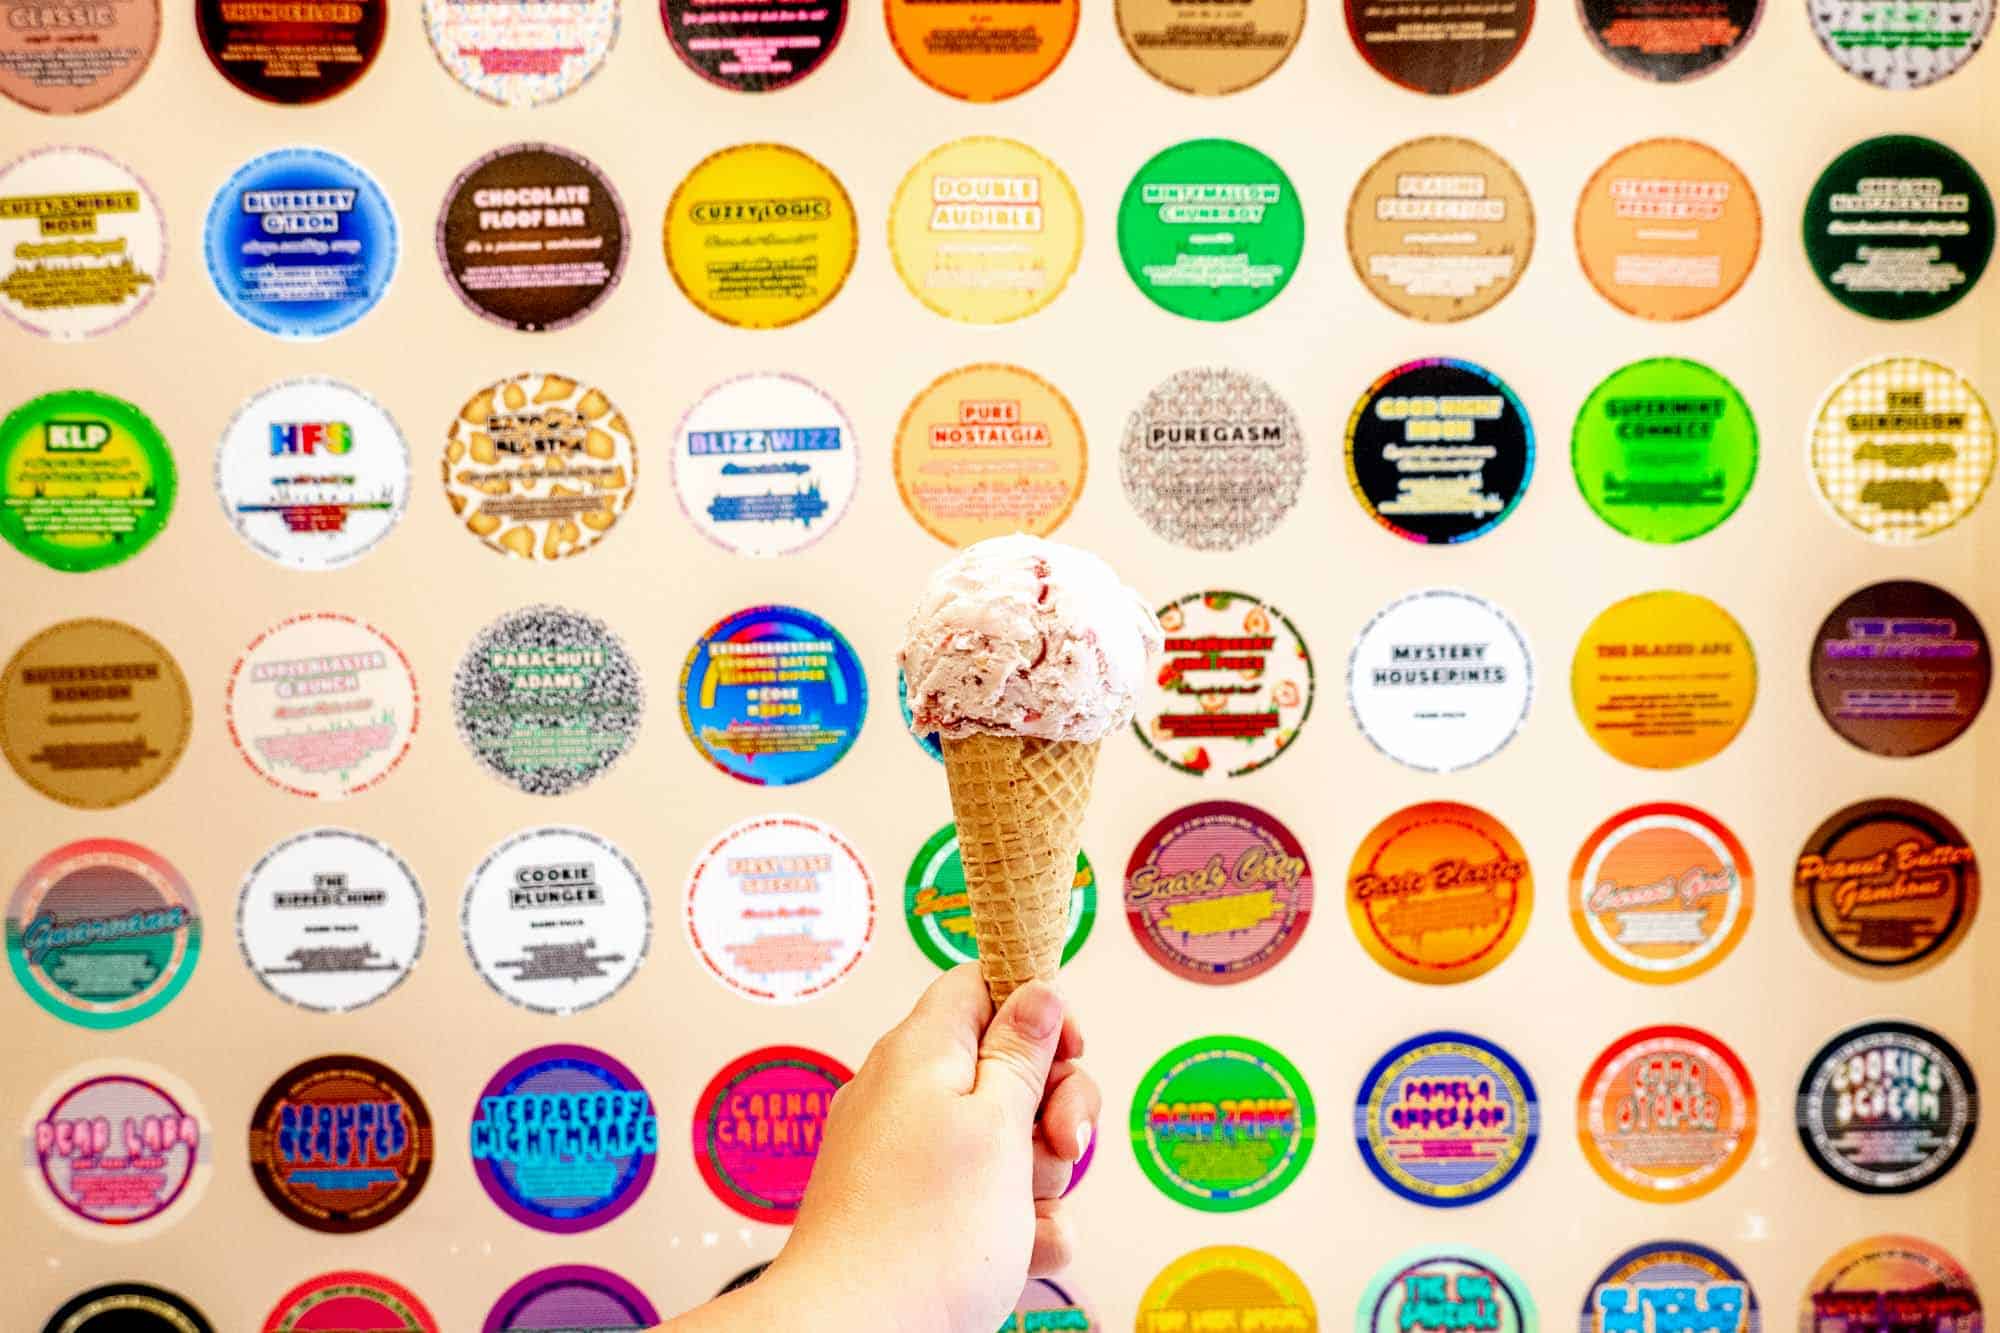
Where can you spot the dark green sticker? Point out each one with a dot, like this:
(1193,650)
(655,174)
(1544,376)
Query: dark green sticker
(1211,229)
(87,479)
(940,915)
(1664,449)
(1222,1124)
(1899,227)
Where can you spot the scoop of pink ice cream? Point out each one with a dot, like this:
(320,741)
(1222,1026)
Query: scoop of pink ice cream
(1018,636)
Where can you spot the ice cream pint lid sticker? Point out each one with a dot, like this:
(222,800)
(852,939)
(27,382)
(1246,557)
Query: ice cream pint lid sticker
(1440,892)
(940,915)
(127,1307)
(988,450)
(1440,229)
(1660,893)
(780,908)
(322,705)
(1901,668)
(1886,888)
(754,48)
(1218,892)
(532,237)
(83,238)
(765,464)
(1887,1108)
(547,699)
(773,695)
(521,55)
(1439,451)
(1210,47)
(1407,43)
(760,236)
(556,920)
(571,1298)
(341,1144)
(1666,1114)
(982,50)
(88,480)
(65,70)
(292,54)
(1673,45)
(928,742)
(1670,1286)
(1663,680)
(1446,1119)
(564,1138)
(1902,449)
(1222,1124)
(1211,229)
(758,1125)
(1437,1290)
(1899,227)
(1885,1283)
(117,1150)
(1668,229)
(330,920)
(1664,450)
(337,1302)
(1227,1287)
(1045,1307)
(985,230)
(1213,459)
(103,933)
(1904,47)
(1232,690)
(1440,680)
(54,727)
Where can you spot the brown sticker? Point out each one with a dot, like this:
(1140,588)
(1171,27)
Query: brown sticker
(1210,47)
(1440,229)
(63,59)
(1668,229)
(1886,888)
(93,713)
(532,237)
(1901,668)
(292,52)
(1439,46)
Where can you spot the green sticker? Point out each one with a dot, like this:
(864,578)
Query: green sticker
(88,480)
(940,917)
(1222,1124)
(1211,229)
(1899,227)
(1664,449)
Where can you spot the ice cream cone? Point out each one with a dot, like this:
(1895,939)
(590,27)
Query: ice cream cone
(1019,803)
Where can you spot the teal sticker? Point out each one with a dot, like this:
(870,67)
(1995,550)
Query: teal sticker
(86,480)
(102,933)
(1664,449)
(1452,1289)
(1899,227)
(1211,229)
(940,915)
(1222,1124)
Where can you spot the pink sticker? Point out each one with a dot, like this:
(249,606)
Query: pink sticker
(322,705)
(757,1129)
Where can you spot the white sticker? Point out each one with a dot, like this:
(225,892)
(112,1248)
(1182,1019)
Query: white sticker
(556,919)
(322,705)
(83,243)
(1440,680)
(765,464)
(330,920)
(780,908)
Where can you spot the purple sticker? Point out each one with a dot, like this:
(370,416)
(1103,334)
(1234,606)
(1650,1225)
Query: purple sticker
(564,1138)
(572,1298)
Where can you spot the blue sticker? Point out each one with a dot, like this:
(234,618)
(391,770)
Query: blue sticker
(301,242)
(1670,1286)
(1447,1119)
(928,742)
(773,695)
(564,1138)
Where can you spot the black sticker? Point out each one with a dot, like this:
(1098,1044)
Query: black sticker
(753,46)
(127,1307)
(1439,450)
(1899,227)
(1887,1107)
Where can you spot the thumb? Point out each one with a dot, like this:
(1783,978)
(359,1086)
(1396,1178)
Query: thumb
(1017,1050)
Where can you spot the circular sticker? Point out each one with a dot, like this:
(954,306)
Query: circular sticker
(1886,888)
(1909,46)
(1664,449)
(753,48)
(1408,42)
(93,713)
(1670,45)
(532,237)
(340,1301)
(564,1138)
(103,933)
(1902,449)
(571,1298)
(940,914)
(521,55)
(1663,680)
(117,1150)
(1440,680)
(757,1129)
(330,920)
(1668,229)
(1661,893)
(1666,1114)
(1899,227)
(985,230)
(1222,1124)
(760,236)
(127,1307)
(1210,47)
(295,53)
(928,742)
(1223,1286)
(312,473)
(89,480)
(1440,229)
(547,699)
(1448,1288)
(341,1144)
(61,62)
(982,50)
(1887,1107)
(765,464)
(1044,1306)
(1211,229)
(1440,892)
(1666,1284)
(556,919)
(1888,1282)
(83,238)
(988,450)
(1213,459)
(1218,892)
(1233,690)
(1439,450)
(539,466)
(780,908)
(301,242)
(773,695)
(322,705)
(1901,668)
(1446,1119)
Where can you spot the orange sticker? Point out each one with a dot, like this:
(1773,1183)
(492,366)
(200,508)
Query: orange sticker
(1664,679)
(982,50)
(1666,1114)
(1668,229)
(1440,892)
(988,450)
(1660,893)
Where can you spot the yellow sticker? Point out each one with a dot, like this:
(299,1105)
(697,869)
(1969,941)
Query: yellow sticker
(1664,679)
(988,450)
(760,236)
(1227,1287)
(985,230)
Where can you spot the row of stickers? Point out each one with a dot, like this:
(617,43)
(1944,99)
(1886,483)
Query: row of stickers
(301,242)
(1878,1285)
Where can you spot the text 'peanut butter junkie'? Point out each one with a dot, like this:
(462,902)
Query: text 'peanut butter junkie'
(1022,656)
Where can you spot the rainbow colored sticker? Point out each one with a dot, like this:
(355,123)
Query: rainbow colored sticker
(1446,1119)
(773,695)
(1222,1124)
(1889,1283)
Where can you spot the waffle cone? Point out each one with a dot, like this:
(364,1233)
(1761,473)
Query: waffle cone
(1019,804)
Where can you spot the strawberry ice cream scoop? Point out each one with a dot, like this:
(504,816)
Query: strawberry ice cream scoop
(1017,636)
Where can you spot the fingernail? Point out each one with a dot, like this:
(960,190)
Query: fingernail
(1083,1141)
(1037,1010)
